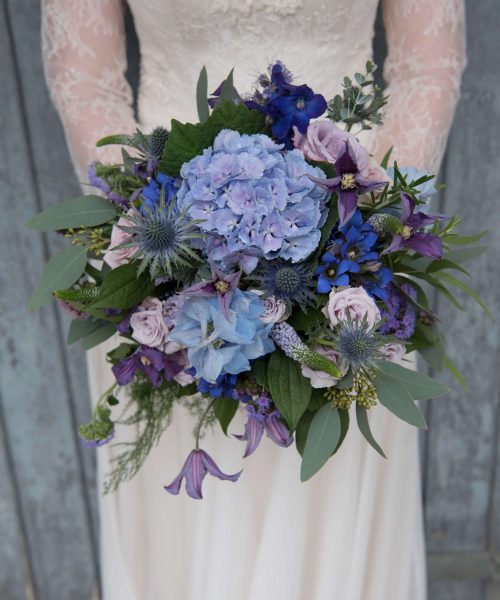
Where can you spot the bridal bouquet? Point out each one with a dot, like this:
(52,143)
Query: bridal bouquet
(258,260)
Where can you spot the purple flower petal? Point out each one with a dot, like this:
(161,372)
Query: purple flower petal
(347,203)
(277,431)
(253,434)
(124,371)
(427,244)
(345,162)
(214,470)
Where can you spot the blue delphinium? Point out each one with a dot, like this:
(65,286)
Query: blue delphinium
(286,105)
(151,193)
(224,385)
(352,257)
(218,345)
(253,200)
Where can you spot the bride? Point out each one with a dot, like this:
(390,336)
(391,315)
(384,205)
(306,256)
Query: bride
(354,532)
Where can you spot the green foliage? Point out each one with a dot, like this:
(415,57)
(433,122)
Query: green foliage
(80,329)
(149,412)
(322,440)
(302,321)
(101,426)
(290,390)
(302,430)
(187,140)
(398,388)
(61,272)
(259,371)
(102,333)
(202,96)
(364,427)
(84,211)
(361,101)
(123,288)
(225,408)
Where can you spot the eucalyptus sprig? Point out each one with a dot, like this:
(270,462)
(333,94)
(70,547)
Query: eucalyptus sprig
(361,101)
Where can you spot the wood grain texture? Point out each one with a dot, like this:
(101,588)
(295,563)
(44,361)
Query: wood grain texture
(33,373)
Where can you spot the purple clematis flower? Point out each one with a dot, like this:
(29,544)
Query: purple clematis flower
(156,365)
(348,183)
(263,416)
(102,185)
(197,465)
(427,244)
(221,285)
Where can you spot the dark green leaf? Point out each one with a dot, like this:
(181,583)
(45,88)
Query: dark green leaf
(434,353)
(385,161)
(259,371)
(463,239)
(121,351)
(322,439)
(79,329)
(123,289)
(113,400)
(326,230)
(344,427)
(448,363)
(317,399)
(364,427)
(61,272)
(290,390)
(186,140)
(419,386)
(302,431)
(225,409)
(465,254)
(439,265)
(451,279)
(105,331)
(202,96)
(84,211)
(305,321)
(119,139)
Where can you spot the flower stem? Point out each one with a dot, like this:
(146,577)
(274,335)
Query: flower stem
(200,423)
(102,397)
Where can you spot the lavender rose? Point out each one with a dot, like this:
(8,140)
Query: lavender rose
(354,301)
(320,379)
(393,352)
(275,310)
(324,141)
(121,256)
(148,326)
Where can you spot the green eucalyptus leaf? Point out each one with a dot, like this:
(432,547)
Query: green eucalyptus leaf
(122,288)
(102,333)
(80,329)
(84,211)
(450,365)
(465,254)
(364,427)
(464,239)
(302,430)
(225,408)
(289,389)
(62,271)
(322,439)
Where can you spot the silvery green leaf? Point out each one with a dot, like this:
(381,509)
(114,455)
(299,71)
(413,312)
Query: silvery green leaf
(84,211)
(322,439)
(364,427)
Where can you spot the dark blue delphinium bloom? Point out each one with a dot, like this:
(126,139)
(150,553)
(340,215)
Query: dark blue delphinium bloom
(351,250)
(224,385)
(375,283)
(399,314)
(286,105)
(151,193)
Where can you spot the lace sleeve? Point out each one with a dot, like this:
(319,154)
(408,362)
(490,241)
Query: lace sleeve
(84,52)
(426,57)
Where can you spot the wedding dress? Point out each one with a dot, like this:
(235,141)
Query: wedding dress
(354,532)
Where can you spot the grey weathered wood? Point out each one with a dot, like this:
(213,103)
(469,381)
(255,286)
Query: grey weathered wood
(464,426)
(34,383)
(54,181)
(15,568)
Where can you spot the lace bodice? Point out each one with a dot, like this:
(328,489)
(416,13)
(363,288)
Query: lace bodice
(319,40)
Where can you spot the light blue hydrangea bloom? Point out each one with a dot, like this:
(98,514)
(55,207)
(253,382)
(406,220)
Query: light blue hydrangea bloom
(255,200)
(217,345)
(425,190)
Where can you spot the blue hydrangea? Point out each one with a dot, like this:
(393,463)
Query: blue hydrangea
(217,345)
(254,199)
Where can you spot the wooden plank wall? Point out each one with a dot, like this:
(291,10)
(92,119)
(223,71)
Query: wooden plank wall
(48,521)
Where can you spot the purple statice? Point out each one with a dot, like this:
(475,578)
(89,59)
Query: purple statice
(348,183)
(75,313)
(286,105)
(95,443)
(264,416)
(398,316)
(194,470)
(156,365)
(352,258)
(100,184)
(250,198)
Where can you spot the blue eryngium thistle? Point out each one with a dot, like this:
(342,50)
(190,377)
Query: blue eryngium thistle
(285,336)
(161,236)
(358,344)
(290,282)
